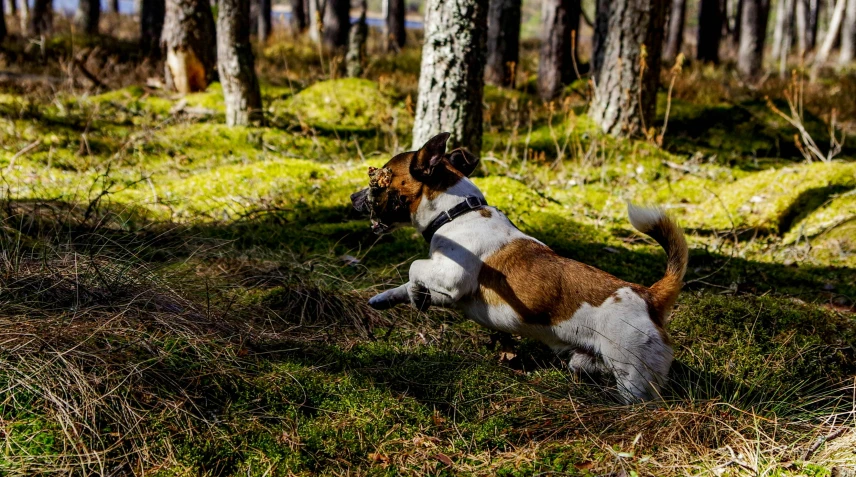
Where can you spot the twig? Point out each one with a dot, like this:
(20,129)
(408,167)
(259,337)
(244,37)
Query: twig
(821,440)
(30,147)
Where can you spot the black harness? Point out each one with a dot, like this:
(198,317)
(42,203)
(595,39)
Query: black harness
(469,204)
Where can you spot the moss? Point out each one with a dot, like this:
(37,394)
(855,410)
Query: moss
(773,200)
(344,105)
(835,214)
(211,98)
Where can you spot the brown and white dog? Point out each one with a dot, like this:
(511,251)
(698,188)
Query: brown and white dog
(508,281)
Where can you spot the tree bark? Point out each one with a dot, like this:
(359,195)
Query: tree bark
(235,63)
(265,20)
(848,34)
(13,7)
(451,79)
(113,6)
(41,18)
(189,40)
(601,28)
(503,42)
(787,36)
(675,38)
(152,14)
(298,15)
(396,34)
(315,12)
(24,19)
(625,95)
(87,15)
(753,30)
(814,8)
(709,31)
(2,20)
(738,19)
(357,44)
(337,23)
(560,21)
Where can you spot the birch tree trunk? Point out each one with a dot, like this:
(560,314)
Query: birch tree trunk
(675,38)
(24,19)
(337,23)
(787,36)
(778,29)
(503,42)
(41,18)
(709,31)
(626,90)
(152,14)
(560,21)
(814,9)
(314,19)
(235,63)
(298,15)
(753,31)
(829,41)
(848,34)
(87,15)
(801,25)
(190,42)
(396,34)
(451,79)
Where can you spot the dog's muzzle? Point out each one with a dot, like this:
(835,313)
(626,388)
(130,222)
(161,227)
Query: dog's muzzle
(360,201)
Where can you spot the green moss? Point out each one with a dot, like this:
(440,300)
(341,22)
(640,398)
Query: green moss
(211,98)
(344,105)
(835,214)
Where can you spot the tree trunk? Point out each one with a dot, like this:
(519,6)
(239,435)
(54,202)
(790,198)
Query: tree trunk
(189,40)
(814,8)
(41,18)
(357,44)
(753,30)
(738,19)
(113,6)
(337,23)
(2,20)
(801,14)
(87,15)
(13,7)
(315,12)
(787,36)
(848,34)
(396,34)
(235,63)
(675,38)
(298,15)
(152,14)
(778,29)
(451,79)
(831,34)
(625,95)
(265,20)
(24,19)
(601,28)
(709,31)
(503,42)
(560,21)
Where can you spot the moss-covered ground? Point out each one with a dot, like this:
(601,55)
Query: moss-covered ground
(182,298)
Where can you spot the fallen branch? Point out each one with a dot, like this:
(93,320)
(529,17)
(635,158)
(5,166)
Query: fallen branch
(821,440)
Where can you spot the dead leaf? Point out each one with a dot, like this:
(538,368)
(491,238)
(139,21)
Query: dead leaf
(442,458)
(378,458)
(585,465)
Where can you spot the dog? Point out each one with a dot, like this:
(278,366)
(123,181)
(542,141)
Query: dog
(507,281)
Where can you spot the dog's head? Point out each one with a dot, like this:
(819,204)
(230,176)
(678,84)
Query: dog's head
(396,189)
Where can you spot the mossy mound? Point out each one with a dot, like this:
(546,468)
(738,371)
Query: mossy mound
(837,213)
(773,201)
(342,105)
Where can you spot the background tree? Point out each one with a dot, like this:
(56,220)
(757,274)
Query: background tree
(451,79)
(626,85)
(710,20)
(2,20)
(235,63)
(41,18)
(337,23)
(396,35)
(831,35)
(848,34)
(675,37)
(314,18)
(601,28)
(24,17)
(801,24)
(87,15)
(152,14)
(265,20)
(298,14)
(189,40)
(560,21)
(503,42)
(814,10)
(753,30)
(13,7)
(357,44)
(113,6)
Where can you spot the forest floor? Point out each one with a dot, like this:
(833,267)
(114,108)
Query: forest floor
(182,298)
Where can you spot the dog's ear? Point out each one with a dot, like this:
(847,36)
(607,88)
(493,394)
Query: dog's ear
(427,158)
(463,160)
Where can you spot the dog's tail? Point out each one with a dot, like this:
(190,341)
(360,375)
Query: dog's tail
(657,224)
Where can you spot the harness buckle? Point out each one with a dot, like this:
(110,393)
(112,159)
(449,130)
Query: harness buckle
(476,202)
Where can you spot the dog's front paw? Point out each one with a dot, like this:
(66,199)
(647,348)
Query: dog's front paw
(381,302)
(420,296)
